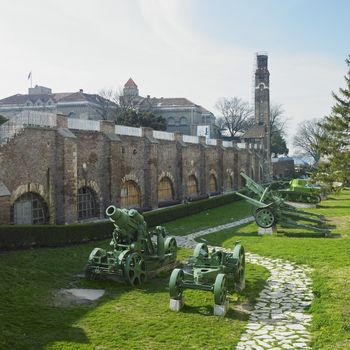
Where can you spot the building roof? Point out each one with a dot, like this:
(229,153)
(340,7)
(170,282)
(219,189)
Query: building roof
(130,83)
(255,132)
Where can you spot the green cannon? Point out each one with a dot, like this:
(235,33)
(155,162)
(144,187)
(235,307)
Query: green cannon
(217,272)
(270,209)
(301,190)
(137,253)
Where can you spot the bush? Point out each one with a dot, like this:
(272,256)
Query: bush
(27,236)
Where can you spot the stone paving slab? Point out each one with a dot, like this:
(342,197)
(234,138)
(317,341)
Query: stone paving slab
(279,320)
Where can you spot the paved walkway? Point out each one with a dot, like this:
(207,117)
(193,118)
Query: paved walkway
(278,320)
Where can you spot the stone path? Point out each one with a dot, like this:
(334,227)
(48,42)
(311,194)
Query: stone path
(278,320)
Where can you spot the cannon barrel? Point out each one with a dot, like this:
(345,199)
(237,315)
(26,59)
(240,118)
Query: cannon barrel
(125,219)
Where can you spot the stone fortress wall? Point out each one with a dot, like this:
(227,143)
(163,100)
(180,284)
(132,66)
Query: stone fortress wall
(64,164)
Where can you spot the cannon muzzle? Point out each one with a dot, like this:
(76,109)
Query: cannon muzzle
(123,218)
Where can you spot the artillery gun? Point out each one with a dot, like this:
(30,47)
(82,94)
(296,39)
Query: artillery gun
(217,272)
(135,255)
(270,209)
(301,190)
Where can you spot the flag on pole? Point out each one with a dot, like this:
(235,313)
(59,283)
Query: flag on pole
(29,75)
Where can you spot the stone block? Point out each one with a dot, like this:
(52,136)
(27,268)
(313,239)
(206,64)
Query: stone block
(267,231)
(221,310)
(176,305)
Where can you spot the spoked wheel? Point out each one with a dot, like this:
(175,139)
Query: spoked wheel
(170,246)
(135,270)
(176,284)
(201,250)
(239,273)
(264,218)
(220,289)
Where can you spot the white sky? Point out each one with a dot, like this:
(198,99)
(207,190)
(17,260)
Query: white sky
(163,46)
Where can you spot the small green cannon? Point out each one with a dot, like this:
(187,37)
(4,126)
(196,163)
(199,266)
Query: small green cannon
(136,255)
(301,190)
(217,272)
(270,209)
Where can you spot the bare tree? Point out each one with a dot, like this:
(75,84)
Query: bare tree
(277,124)
(306,139)
(237,115)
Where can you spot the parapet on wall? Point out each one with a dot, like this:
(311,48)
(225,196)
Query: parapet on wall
(81,167)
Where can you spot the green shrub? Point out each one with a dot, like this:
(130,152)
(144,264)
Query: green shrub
(26,236)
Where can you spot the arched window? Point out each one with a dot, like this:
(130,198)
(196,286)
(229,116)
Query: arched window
(183,121)
(192,187)
(241,181)
(87,203)
(171,121)
(212,184)
(30,208)
(130,195)
(165,190)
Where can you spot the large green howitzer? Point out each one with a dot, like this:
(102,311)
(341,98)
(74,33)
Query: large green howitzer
(301,190)
(270,209)
(136,255)
(217,272)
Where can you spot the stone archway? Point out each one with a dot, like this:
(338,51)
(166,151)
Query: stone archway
(87,203)
(213,185)
(192,186)
(30,208)
(130,196)
(165,189)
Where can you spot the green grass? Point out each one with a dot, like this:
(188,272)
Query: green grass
(209,218)
(330,259)
(126,318)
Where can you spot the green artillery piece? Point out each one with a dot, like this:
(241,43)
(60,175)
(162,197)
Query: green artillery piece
(135,255)
(217,272)
(270,209)
(301,190)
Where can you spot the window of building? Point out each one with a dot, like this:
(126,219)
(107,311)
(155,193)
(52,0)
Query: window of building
(30,208)
(130,195)
(165,190)
(192,186)
(212,184)
(183,121)
(171,121)
(87,204)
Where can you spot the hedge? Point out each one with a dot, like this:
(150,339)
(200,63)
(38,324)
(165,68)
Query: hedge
(27,236)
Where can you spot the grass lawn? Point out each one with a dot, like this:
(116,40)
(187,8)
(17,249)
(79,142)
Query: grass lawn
(126,318)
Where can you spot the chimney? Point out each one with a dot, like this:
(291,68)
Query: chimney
(81,90)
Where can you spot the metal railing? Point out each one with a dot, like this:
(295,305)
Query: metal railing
(190,139)
(163,135)
(128,130)
(81,124)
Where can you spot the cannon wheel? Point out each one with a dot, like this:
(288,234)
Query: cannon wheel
(135,269)
(201,249)
(176,284)
(264,218)
(170,246)
(239,255)
(220,289)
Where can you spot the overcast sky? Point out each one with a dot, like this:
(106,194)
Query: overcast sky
(198,49)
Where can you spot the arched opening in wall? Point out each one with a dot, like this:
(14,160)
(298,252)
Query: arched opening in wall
(183,121)
(230,181)
(30,208)
(252,175)
(213,186)
(130,195)
(165,190)
(241,180)
(192,186)
(87,203)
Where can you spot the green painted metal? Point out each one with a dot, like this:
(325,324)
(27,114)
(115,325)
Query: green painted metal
(270,209)
(302,190)
(135,255)
(216,272)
